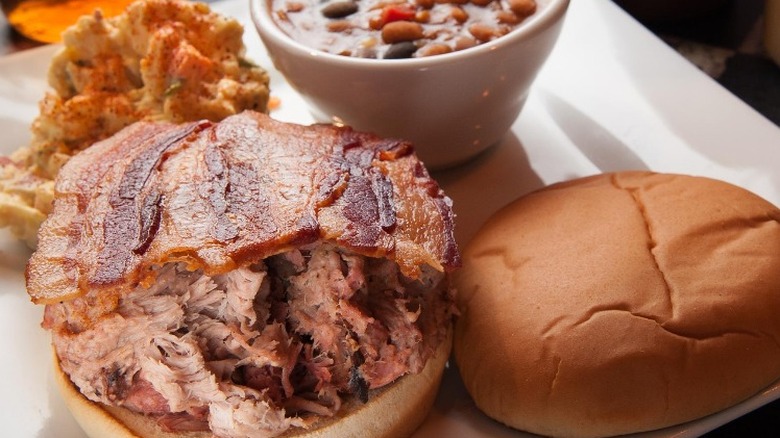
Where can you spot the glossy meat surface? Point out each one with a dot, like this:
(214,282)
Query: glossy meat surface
(221,195)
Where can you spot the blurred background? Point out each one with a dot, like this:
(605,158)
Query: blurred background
(727,39)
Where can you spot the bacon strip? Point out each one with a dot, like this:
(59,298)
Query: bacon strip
(219,195)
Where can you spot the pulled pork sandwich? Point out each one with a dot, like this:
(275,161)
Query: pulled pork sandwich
(247,278)
(620,303)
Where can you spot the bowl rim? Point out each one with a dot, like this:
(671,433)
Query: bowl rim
(552,12)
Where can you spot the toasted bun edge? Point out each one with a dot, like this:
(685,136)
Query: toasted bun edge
(395,410)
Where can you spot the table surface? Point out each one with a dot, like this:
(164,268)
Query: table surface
(726,44)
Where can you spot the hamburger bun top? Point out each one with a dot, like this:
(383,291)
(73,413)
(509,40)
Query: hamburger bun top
(392,411)
(620,303)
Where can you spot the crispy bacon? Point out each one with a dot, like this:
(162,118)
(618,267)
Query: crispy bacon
(220,195)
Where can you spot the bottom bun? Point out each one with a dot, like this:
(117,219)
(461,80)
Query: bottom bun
(395,410)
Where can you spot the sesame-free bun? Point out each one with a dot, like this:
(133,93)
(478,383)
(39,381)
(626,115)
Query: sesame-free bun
(620,303)
(395,410)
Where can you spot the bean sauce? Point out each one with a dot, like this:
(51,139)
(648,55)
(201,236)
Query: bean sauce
(395,29)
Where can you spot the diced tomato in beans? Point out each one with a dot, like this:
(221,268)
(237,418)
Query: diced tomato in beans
(400,12)
(393,29)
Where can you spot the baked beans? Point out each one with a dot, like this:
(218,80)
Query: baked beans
(394,29)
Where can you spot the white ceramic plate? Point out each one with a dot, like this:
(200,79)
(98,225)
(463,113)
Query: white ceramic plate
(611,97)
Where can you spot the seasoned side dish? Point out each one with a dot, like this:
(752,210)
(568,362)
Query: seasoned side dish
(393,29)
(170,60)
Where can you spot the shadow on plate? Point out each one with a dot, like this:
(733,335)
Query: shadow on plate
(718,135)
(60,423)
(483,185)
(13,259)
(455,414)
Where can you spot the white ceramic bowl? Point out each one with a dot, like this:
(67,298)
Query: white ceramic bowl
(451,106)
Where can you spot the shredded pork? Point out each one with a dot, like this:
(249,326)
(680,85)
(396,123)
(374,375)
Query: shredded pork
(254,352)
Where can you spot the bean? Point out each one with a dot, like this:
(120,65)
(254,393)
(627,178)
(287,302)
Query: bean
(339,26)
(507,17)
(483,32)
(365,52)
(375,22)
(458,14)
(425,4)
(399,31)
(522,8)
(434,49)
(339,9)
(481,2)
(401,50)
(463,43)
(422,16)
